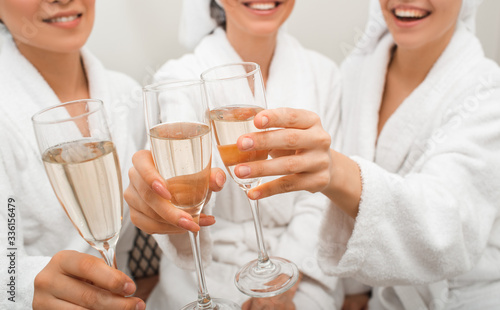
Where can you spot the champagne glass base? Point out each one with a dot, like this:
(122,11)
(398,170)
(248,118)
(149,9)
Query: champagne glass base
(217,304)
(272,278)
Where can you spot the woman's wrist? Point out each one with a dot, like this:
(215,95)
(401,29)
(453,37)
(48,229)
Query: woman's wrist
(345,185)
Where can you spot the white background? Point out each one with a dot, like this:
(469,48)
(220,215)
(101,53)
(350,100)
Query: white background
(137,36)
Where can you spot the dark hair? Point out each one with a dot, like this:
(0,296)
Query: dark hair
(3,28)
(217,13)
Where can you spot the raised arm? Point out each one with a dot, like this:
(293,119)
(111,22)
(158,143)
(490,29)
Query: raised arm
(430,224)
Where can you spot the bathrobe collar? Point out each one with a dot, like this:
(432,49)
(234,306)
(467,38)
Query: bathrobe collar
(219,49)
(30,85)
(416,112)
(284,72)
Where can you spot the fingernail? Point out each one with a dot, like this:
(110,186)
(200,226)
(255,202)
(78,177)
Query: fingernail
(246,143)
(220,179)
(254,195)
(161,190)
(128,288)
(140,305)
(187,224)
(264,121)
(243,171)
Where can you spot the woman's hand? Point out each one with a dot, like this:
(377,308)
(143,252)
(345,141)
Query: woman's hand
(301,153)
(280,302)
(149,199)
(73,280)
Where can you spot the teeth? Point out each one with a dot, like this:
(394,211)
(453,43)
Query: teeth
(63,19)
(262,6)
(411,13)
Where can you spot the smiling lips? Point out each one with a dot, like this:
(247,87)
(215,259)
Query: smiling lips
(410,14)
(63,19)
(262,6)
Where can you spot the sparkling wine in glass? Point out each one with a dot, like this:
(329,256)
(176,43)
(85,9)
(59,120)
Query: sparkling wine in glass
(82,165)
(235,95)
(181,143)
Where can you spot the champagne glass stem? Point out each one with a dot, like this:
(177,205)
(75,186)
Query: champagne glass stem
(263,259)
(108,253)
(204,300)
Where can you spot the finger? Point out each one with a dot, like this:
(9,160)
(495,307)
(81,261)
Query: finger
(151,226)
(161,206)
(95,270)
(287,184)
(247,305)
(136,204)
(206,220)
(217,179)
(286,118)
(279,279)
(281,153)
(285,139)
(53,303)
(265,304)
(144,164)
(91,297)
(308,162)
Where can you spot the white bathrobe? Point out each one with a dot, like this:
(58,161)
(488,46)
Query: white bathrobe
(429,211)
(298,78)
(42,227)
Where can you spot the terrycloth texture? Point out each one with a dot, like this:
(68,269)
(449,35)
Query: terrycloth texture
(429,212)
(300,79)
(43,228)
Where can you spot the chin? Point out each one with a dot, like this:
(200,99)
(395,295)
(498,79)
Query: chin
(69,46)
(265,29)
(408,41)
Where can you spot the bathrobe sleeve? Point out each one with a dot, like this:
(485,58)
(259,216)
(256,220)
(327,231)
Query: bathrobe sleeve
(299,241)
(17,267)
(354,287)
(433,222)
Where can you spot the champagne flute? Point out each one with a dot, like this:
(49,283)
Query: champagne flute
(236,94)
(179,129)
(82,165)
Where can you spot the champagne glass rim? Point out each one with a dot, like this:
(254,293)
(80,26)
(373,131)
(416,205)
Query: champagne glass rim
(235,77)
(172,84)
(35,118)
